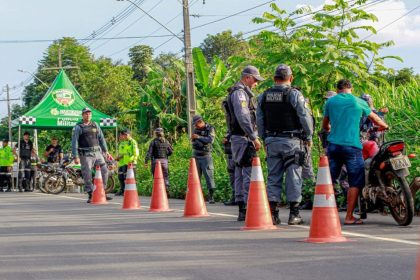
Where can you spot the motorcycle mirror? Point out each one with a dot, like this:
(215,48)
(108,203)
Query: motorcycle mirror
(412,155)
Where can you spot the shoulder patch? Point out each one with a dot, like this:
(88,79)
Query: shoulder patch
(244,104)
(241,96)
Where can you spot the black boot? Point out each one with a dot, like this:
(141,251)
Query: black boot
(211,198)
(232,201)
(119,193)
(89,197)
(108,197)
(274,208)
(242,211)
(294,217)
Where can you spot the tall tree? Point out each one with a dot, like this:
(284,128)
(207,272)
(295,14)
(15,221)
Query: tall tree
(224,45)
(141,59)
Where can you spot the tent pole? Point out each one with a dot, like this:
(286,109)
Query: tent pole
(116,141)
(36,140)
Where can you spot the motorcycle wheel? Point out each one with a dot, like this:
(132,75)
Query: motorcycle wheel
(55,184)
(110,184)
(403,212)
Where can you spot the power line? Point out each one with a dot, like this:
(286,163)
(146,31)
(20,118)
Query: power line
(392,22)
(131,24)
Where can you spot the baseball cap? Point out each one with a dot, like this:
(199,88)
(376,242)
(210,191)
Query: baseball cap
(86,110)
(252,71)
(330,94)
(125,131)
(159,130)
(196,118)
(283,70)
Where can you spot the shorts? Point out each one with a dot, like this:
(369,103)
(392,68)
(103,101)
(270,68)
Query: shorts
(352,158)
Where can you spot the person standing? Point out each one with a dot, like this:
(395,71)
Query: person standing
(202,143)
(54,152)
(88,146)
(242,125)
(6,164)
(342,116)
(34,168)
(159,150)
(25,151)
(285,124)
(128,152)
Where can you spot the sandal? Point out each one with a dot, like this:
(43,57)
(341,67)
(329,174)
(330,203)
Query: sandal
(356,222)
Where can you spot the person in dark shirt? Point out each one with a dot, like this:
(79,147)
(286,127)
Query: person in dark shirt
(25,147)
(54,152)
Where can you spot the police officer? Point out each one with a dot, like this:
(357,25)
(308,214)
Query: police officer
(25,150)
(284,122)
(159,150)
(6,164)
(88,145)
(202,140)
(128,152)
(54,152)
(241,116)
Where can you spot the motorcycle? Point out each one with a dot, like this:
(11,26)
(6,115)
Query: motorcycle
(386,182)
(70,174)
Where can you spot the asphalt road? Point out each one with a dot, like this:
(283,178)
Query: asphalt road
(62,237)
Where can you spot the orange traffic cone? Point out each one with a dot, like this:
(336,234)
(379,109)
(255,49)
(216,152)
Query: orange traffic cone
(258,216)
(159,200)
(325,222)
(98,195)
(194,201)
(131,197)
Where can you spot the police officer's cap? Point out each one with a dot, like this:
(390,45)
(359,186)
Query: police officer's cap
(196,118)
(5,139)
(159,130)
(26,133)
(86,110)
(283,71)
(252,71)
(125,131)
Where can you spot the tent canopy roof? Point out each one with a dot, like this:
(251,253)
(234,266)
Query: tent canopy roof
(61,108)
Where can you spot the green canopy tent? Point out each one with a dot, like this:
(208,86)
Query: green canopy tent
(60,108)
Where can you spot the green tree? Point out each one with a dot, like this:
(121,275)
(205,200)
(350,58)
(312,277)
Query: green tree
(224,45)
(141,58)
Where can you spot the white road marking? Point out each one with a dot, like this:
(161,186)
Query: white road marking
(355,234)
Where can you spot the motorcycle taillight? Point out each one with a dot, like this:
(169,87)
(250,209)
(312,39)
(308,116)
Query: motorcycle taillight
(396,148)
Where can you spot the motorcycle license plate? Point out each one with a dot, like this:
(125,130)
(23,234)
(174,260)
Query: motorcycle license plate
(400,162)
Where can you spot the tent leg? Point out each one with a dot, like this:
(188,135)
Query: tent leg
(116,141)
(36,140)
(18,161)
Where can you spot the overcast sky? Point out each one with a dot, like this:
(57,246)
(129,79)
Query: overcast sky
(53,19)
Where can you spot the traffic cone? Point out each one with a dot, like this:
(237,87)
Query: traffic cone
(194,201)
(159,200)
(98,195)
(325,222)
(258,215)
(131,197)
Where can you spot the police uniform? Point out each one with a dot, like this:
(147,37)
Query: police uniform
(128,152)
(283,122)
(202,147)
(6,162)
(34,170)
(242,126)
(159,150)
(230,168)
(25,151)
(88,144)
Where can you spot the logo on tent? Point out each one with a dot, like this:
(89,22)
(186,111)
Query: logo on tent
(64,97)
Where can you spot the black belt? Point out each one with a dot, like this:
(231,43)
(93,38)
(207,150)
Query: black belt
(284,134)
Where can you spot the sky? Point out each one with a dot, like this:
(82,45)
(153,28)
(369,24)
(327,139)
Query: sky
(23,20)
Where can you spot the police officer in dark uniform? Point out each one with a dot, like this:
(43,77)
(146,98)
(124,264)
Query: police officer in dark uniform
(26,147)
(88,146)
(202,140)
(240,108)
(285,123)
(230,168)
(159,150)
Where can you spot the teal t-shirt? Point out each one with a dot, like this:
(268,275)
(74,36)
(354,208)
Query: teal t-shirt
(344,112)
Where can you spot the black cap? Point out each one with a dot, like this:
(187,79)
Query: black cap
(125,131)
(252,71)
(196,118)
(84,110)
(26,133)
(5,139)
(283,71)
(159,130)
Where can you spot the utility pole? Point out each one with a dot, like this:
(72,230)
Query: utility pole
(189,67)
(60,62)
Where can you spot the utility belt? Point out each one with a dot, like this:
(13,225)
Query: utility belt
(200,153)
(298,135)
(87,151)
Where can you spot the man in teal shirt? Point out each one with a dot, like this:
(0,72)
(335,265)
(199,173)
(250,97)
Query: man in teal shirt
(342,116)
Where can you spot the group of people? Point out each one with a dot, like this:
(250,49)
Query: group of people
(28,161)
(280,117)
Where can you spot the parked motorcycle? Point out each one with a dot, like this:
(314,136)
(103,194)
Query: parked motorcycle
(386,182)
